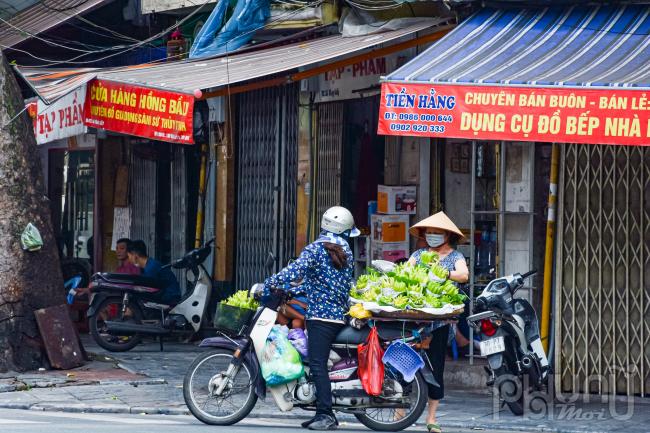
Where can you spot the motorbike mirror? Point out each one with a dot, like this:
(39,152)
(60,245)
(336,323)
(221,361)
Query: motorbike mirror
(270,261)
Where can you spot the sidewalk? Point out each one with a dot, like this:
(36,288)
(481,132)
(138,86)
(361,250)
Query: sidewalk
(146,380)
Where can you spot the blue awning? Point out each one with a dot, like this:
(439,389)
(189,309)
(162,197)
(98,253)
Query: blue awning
(581,46)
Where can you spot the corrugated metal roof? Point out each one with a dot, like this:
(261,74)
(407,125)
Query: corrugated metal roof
(187,75)
(211,73)
(42,17)
(51,84)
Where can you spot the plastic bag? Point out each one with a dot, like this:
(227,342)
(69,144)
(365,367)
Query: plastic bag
(358,312)
(31,239)
(281,363)
(298,340)
(371,368)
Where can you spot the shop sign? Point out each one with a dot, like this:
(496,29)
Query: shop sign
(565,115)
(61,119)
(345,82)
(140,111)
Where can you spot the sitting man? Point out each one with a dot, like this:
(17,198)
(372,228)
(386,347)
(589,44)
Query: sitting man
(124,264)
(152,268)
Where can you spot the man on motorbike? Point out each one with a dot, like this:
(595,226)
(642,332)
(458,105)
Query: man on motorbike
(326,269)
(152,268)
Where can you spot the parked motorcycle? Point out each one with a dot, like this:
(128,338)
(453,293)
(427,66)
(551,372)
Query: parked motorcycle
(124,308)
(510,339)
(222,385)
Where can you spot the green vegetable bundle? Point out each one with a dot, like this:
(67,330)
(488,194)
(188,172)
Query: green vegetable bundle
(241,300)
(408,286)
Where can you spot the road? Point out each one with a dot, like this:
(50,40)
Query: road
(29,421)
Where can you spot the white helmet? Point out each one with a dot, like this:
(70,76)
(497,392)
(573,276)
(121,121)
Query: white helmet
(338,220)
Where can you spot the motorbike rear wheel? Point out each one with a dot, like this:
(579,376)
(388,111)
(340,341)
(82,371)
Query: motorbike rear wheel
(108,309)
(208,371)
(386,419)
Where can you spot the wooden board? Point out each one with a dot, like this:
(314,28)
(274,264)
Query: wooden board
(59,337)
(121,193)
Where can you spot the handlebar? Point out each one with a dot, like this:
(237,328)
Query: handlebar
(528,274)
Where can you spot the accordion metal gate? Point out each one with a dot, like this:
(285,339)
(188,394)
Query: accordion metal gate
(144,201)
(603,271)
(179,210)
(267,180)
(329,157)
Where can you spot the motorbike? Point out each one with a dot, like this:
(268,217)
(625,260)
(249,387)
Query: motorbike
(125,308)
(223,384)
(510,340)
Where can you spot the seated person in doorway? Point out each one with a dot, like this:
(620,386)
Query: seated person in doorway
(124,265)
(152,268)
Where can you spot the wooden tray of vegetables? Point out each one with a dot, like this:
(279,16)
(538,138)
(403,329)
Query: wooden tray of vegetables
(410,292)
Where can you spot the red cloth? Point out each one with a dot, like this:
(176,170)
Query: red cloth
(128,268)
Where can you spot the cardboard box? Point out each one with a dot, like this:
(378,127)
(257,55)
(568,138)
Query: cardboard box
(389,228)
(391,251)
(396,199)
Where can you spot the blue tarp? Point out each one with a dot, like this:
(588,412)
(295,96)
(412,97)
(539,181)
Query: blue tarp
(216,37)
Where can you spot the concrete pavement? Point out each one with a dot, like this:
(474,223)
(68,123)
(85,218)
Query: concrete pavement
(15,421)
(149,381)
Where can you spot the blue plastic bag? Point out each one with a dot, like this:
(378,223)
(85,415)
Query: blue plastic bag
(281,362)
(72,284)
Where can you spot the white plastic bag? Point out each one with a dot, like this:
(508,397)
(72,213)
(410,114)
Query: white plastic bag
(31,239)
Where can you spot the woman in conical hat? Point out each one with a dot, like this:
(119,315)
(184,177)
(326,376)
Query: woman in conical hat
(441,236)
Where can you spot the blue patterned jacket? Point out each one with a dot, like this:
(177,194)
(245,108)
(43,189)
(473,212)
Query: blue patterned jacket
(327,288)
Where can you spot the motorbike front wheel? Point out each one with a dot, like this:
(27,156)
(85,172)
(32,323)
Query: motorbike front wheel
(390,419)
(217,392)
(510,390)
(110,309)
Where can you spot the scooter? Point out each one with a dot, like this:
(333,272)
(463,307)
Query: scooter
(510,340)
(124,308)
(222,385)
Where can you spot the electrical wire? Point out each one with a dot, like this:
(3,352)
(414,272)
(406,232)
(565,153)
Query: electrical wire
(376,5)
(14,118)
(55,44)
(73,60)
(280,18)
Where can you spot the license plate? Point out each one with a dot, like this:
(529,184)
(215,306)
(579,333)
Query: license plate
(492,346)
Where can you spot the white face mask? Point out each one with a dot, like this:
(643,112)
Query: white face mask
(434,239)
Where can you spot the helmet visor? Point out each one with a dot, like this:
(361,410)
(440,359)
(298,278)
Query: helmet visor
(354,232)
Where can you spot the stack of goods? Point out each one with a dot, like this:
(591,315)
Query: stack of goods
(390,226)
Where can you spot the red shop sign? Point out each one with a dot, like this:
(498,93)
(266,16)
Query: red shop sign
(144,112)
(564,115)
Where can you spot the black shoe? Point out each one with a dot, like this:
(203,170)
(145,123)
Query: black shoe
(307,423)
(323,422)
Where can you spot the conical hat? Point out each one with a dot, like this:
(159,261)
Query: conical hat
(436,221)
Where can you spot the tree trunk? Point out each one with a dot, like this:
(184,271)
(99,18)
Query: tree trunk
(28,280)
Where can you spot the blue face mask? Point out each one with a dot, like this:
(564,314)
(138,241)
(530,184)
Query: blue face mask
(434,239)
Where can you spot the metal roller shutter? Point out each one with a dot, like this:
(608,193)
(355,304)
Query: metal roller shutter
(267,172)
(329,156)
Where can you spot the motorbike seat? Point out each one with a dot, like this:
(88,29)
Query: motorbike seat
(386,331)
(131,280)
